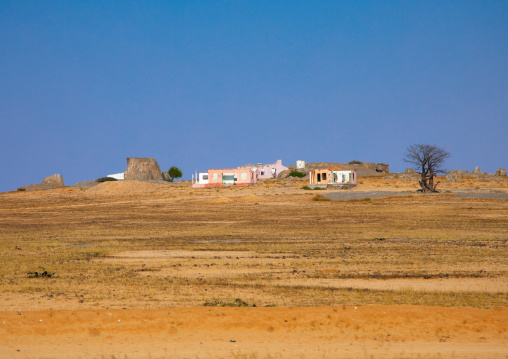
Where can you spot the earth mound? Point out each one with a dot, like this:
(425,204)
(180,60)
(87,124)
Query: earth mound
(123,187)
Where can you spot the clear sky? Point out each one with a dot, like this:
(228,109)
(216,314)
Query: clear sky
(218,84)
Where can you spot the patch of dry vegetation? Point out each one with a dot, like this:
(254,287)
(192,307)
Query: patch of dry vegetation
(273,244)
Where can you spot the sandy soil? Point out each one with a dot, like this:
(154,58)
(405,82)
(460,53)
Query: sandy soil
(322,332)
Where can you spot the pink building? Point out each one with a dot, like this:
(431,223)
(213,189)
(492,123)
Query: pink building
(240,176)
(268,171)
(271,171)
(232,177)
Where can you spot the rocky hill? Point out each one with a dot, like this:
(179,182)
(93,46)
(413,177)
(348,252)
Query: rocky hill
(361,168)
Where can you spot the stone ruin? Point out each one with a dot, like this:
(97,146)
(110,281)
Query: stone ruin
(142,169)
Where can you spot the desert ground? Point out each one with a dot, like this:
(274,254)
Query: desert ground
(134,269)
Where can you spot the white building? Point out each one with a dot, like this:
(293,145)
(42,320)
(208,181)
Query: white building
(118,176)
(200,179)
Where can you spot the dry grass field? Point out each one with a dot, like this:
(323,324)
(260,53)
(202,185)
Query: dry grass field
(428,273)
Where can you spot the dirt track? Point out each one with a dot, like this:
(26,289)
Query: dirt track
(322,332)
(358,195)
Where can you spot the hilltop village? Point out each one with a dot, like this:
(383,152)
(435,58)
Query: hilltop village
(321,175)
(318,174)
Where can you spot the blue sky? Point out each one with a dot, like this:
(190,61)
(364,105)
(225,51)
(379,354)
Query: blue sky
(218,84)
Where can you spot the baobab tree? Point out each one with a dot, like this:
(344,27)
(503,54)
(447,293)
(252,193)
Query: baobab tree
(428,161)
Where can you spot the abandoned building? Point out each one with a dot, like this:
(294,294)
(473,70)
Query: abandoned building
(268,171)
(241,176)
(226,177)
(334,176)
(200,179)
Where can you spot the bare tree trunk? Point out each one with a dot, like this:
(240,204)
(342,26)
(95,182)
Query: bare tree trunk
(431,182)
(424,183)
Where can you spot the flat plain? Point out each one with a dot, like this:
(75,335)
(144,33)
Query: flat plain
(143,270)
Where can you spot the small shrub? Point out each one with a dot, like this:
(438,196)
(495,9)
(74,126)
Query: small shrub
(105,179)
(306,187)
(296,173)
(174,172)
(44,274)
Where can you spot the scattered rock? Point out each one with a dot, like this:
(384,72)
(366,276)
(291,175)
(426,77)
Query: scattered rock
(501,172)
(142,169)
(455,175)
(476,170)
(165,176)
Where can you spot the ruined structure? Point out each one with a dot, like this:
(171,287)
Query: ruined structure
(142,169)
